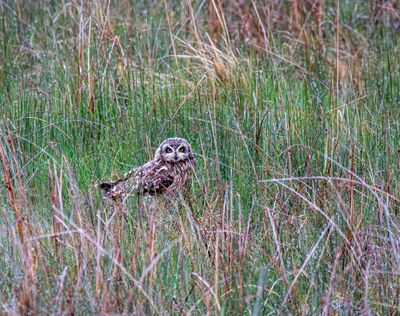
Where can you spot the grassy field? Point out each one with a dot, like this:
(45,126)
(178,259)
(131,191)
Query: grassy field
(292,110)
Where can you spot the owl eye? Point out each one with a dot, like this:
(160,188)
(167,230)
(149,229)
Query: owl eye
(181,149)
(168,150)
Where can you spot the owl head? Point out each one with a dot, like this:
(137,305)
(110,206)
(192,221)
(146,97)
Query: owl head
(175,150)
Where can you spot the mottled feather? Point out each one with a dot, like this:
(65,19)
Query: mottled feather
(167,173)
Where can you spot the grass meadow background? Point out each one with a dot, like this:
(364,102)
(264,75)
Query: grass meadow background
(292,109)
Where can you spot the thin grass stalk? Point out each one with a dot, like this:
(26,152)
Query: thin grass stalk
(367,310)
(115,277)
(99,279)
(150,214)
(240,265)
(54,207)
(193,23)
(22,193)
(80,61)
(21,184)
(224,234)
(60,293)
(116,241)
(222,21)
(327,297)
(212,116)
(213,25)
(351,215)
(169,22)
(11,196)
(337,47)
(288,146)
(260,288)
(150,60)
(232,238)
(319,16)
(90,77)
(216,267)
(207,293)
(387,154)
(78,241)
(296,15)
(27,298)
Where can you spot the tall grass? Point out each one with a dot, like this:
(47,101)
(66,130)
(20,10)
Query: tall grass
(292,110)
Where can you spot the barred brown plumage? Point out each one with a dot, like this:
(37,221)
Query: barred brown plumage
(167,173)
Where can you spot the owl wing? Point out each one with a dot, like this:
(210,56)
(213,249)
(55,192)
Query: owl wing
(123,186)
(152,178)
(156,180)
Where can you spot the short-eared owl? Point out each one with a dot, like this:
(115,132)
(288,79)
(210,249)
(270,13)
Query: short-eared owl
(167,173)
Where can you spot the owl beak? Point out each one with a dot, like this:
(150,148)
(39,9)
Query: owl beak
(176,157)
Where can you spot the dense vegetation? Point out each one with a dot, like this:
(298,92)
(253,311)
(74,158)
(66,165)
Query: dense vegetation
(292,108)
